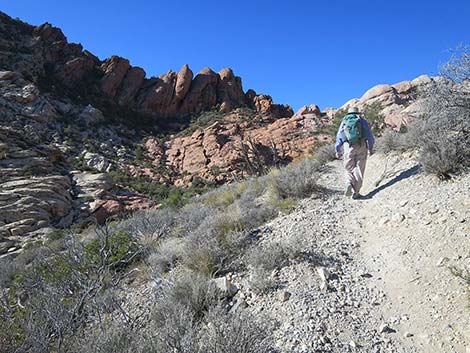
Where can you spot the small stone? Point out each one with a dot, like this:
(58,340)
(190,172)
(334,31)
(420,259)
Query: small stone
(433,211)
(403,203)
(365,275)
(284,296)
(398,217)
(407,334)
(442,219)
(384,328)
(383,221)
(227,287)
(323,274)
(353,344)
(240,303)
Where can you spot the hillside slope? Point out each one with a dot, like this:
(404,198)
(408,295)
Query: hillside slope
(378,277)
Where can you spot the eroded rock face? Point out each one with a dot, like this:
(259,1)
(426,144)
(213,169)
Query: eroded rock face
(215,153)
(43,55)
(115,69)
(108,200)
(32,192)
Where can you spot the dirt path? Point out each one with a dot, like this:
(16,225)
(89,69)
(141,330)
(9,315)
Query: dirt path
(386,258)
(412,230)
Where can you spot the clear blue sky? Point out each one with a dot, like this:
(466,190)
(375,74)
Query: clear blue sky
(299,52)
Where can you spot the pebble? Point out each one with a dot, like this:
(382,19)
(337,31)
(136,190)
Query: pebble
(398,217)
(284,296)
(384,328)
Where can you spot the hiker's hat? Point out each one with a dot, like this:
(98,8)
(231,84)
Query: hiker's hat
(353,110)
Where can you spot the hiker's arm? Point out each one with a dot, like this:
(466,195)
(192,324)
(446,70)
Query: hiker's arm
(369,136)
(339,138)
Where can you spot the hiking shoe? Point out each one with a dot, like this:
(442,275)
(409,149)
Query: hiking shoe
(356,196)
(348,191)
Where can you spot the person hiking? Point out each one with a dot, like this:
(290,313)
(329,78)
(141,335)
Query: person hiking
(355,136)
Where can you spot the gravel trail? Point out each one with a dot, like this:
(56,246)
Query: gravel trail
(374,275)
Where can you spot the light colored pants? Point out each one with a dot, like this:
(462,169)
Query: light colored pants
(354,160)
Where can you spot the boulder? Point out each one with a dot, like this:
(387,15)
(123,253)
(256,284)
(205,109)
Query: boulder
(8,75)
(91,115)
(97,162)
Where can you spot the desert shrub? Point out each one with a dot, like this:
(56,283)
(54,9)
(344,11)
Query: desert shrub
(439,156)
(256,158)
(445,133)
(156,224)
(157,191)
(269,256)
(215,245)
(235,333)
(391,141)
(166,256)
(253,210)
(203,254)
(332,128)
(173,330)
(297,180)
(62,290)
(110,338)
(262,281)
(223,196)
(191,291)
(265,258)
(191,216)
(116,250)
(325,154)
(229,221)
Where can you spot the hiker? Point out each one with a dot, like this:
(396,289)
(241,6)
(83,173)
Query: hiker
(355,136)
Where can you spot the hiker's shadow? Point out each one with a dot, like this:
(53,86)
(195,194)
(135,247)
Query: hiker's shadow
(403,175)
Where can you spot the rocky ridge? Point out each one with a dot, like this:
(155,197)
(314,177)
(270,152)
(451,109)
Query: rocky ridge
(399,103)
(43,55)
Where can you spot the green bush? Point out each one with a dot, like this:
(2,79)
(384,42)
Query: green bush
(374,117)
(117,250)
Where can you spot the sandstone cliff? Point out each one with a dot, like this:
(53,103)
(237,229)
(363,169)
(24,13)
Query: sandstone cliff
(42,55)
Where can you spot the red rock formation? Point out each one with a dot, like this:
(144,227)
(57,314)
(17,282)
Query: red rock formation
(131,84)
(114,83)
(214,153)
(115,69)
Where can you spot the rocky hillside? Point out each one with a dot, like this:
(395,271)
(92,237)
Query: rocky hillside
(67,119)
(400,103)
